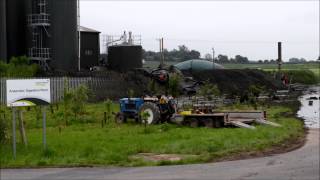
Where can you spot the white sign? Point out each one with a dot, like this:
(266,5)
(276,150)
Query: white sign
(28,92)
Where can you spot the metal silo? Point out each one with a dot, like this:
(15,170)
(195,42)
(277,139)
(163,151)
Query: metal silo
(63,37)
(16,28)
(3,31)
(125,57)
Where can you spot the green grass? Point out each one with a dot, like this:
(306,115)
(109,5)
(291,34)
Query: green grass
(89,144)
(313,67)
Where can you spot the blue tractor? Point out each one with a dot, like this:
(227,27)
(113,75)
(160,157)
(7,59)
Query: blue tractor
(159,109)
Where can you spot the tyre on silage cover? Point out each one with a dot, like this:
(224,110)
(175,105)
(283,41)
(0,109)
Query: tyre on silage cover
(153,111)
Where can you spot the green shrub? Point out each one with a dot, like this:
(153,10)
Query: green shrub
(108,105)
(174,85)
(79,98)
(3,131)
(208,90)
(3,69)
(302,76)
(18,67)
(3,126)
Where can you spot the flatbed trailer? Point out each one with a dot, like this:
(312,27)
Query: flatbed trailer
(220,119)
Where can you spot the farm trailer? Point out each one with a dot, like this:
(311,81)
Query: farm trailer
(219,119)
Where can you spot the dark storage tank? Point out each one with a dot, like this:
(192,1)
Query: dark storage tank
(124,57)
(3,34)
(16,27)
(63,39)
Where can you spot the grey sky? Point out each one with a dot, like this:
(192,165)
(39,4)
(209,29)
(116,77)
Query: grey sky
(248,28)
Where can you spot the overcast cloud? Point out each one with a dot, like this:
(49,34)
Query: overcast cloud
(248,28)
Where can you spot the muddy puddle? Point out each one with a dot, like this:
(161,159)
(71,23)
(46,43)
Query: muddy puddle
(309,109)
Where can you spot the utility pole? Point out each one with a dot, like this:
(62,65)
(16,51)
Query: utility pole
(161,52)
(213,53)
(279,56)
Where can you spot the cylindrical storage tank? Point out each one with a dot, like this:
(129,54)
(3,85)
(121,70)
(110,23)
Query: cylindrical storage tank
(3,31)
(63,39)
(123,58)
(16,28)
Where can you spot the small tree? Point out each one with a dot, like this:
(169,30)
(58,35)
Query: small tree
(174,85)
(67,101)
(152,86)
(3,127)
(144,116)
(254,92)
(108,112)
(79,98)
(130,93)
(208,90)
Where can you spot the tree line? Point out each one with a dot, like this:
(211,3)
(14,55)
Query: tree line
(183,53)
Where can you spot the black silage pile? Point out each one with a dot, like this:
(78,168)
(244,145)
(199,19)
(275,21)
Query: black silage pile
(236,81)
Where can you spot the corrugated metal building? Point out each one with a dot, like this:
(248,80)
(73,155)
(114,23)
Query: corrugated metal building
(89,47)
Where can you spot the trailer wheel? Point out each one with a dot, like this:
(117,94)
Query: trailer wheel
(208,123)
(153,110)
(194,122)
(218,123)
(120,118)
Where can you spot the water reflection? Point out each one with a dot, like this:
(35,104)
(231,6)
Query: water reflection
(309,109)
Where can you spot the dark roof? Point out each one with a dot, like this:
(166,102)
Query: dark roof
(85,29)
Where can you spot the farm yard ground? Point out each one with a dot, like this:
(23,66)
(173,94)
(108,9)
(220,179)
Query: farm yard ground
(85,143)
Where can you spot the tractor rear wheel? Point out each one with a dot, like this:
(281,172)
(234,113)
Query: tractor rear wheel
(153,112)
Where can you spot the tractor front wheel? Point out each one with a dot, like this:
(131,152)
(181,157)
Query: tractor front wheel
(120,118)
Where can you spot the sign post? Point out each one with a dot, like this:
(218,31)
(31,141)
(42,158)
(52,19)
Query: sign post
(14,149)
(28,92)
(44,139)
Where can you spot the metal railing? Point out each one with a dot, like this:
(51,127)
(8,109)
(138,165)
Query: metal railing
(38,20)
(39,53)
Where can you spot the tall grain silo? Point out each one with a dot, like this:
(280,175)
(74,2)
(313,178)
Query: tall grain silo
(16,27)
(63,39)
(3,31)
(53,33)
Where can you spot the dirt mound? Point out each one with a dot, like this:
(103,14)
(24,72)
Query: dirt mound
(236,81)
